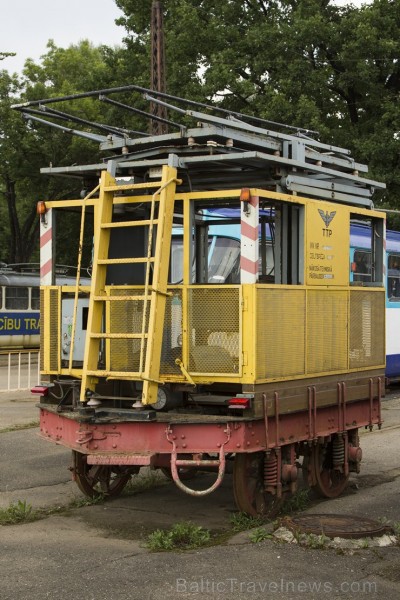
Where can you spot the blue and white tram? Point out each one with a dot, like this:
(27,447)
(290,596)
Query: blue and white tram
(19,310)
(20,304)
(360,256)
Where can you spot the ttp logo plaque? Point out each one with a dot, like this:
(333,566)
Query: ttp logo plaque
(327,218)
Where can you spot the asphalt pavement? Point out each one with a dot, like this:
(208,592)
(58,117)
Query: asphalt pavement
(99,551)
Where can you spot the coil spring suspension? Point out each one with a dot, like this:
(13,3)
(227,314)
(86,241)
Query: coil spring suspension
(271,470)
(338,451)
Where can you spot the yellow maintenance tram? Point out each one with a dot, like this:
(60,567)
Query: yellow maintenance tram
(263,358)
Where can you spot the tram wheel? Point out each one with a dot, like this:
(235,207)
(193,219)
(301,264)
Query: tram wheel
(248,486)
(100,480)
(329,482)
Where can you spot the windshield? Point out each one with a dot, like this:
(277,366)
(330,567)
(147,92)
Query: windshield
(223,260)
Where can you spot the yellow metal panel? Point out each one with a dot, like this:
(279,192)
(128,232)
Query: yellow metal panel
(248,333)
(214,330)
(281,322)
(50,322)
(327,347)
(327,244)
(367,321)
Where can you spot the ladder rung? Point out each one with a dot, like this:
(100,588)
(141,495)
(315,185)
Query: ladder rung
(124,261)
(118,336)
(129,224)
(119,298)
(114,374)
(132,186)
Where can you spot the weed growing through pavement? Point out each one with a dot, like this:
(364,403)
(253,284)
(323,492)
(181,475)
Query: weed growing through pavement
(259,535)
(242,521)
(29,425)
(182,536)
(18,512)
(297,502)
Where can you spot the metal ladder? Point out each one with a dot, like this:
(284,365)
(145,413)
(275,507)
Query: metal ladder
(154,295)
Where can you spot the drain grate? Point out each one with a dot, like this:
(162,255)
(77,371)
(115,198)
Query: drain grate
(343,526)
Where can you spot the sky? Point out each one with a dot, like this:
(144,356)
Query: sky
(26,26)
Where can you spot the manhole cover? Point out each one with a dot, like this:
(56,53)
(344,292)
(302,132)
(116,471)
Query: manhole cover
(344,526)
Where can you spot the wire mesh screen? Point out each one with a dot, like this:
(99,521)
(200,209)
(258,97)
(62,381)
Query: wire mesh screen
(367,320)
(126,316)
(49,330)
(327,317)
(214,330)
(280,332)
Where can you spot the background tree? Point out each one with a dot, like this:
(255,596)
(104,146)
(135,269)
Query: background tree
(308,63)
(25,148)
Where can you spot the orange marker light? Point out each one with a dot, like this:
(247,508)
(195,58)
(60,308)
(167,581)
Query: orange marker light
(41,208)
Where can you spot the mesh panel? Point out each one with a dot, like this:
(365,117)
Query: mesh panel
(367,313)
(42,321)
(126,317)
(326,331)
(214,343)
(280,332)
(54,329)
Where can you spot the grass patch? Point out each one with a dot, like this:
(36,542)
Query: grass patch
(242,521)
(182,536)
(18,512)
(20,427)
(84,501)
(259,535)
(297,502)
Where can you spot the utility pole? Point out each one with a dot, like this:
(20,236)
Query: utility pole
(157,67)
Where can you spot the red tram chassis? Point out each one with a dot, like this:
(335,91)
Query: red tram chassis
(267,452)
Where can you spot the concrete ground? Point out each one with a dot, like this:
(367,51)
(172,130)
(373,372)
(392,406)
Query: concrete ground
(99,551)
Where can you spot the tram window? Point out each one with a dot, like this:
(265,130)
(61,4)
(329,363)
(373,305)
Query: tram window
(361,266)
(17,298)
(224,261)
(35,298)
(393,288)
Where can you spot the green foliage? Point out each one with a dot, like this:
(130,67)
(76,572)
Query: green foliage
(259,535)
(242,521)
(17,512)
(182,536)
(296,502)
(309,63)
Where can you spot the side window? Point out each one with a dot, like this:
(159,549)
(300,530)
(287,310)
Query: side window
(17,298)
(35,298)
(361,266)
(393,288)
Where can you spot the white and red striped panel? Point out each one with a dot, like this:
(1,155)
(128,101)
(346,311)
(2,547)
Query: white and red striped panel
(249,247)
(46,249)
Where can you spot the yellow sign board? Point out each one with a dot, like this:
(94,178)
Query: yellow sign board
(327,244)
